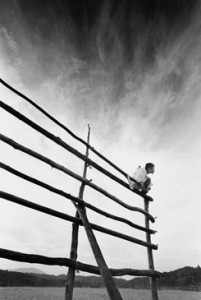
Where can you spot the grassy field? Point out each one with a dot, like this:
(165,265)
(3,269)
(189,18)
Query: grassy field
(30,293)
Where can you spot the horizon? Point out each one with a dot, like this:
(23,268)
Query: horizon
(126,277)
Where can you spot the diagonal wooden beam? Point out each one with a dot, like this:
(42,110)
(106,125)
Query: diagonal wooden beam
(63,216)
(66,146)
(110,284)
(71,197)
(65,170)
(75,231)
(63,127)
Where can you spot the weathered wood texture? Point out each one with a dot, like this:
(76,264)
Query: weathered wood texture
(72,198)
(75,232)
(73,256)
(63,169)
(150,256)
(59,261)
(79,204)
(67,147)
(63,216)
(109,282)
(63,127)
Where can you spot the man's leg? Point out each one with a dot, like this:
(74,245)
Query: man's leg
(145,186)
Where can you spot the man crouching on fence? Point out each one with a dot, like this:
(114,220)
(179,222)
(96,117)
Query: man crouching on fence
(142,180)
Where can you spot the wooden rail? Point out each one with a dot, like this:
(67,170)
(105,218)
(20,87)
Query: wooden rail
(67,147)
(49,211)
(63,127)
(109,282)
(75,231)
(80,218)
(72,198)
(57,166)
(58,261)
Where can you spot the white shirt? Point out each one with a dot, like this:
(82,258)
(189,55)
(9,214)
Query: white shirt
(140,175)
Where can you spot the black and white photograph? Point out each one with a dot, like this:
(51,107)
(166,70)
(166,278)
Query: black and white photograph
(100,149)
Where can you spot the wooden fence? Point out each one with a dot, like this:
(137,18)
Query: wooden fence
(81,206)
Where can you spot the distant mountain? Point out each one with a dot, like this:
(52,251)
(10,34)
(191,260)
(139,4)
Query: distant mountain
(13,278)
(29,270)
(187,278)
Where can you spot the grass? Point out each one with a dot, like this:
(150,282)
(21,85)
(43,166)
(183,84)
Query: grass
(30,293)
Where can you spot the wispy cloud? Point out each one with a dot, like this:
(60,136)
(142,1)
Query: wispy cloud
(152,83)
(133,73)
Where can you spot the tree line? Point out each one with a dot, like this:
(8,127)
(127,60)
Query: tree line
(187,278)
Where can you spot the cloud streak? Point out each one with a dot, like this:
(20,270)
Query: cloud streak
(118,66)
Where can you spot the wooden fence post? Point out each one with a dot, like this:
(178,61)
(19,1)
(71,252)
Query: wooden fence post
(105,272)
(75,232)
(81,216)
(150,255)
(109,282)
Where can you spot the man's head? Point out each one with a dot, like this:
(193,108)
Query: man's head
(150,168)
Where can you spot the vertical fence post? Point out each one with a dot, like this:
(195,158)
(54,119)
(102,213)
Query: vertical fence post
(150,254)
(109,282)
(75,232)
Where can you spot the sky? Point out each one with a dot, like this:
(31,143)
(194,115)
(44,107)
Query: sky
(130,69)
